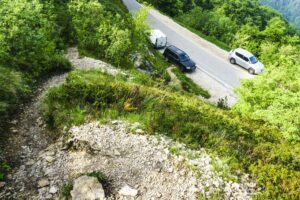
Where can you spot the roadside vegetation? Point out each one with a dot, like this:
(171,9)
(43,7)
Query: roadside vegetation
(189,85)
(272,96)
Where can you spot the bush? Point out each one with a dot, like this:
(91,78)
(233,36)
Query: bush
(13,88)
(186,119)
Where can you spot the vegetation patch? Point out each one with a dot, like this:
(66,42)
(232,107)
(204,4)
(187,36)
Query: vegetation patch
(248,146)
(189,85)
(273,96)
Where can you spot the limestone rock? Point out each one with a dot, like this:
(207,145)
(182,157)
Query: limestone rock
(128,191)
(53,190)
(87,188)
(43,183)
(2,184)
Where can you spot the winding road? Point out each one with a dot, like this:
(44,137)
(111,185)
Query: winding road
(209,58)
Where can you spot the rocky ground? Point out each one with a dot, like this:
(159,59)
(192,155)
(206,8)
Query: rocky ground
(137,166)
(129,159)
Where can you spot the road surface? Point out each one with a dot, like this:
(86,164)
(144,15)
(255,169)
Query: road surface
(208,57)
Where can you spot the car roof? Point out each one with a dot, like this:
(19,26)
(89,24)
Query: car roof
(244,52)
(157,33)
(176,50)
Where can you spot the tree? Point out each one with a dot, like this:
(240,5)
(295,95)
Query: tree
(274,96)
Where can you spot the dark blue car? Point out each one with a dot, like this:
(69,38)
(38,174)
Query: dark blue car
(179,58)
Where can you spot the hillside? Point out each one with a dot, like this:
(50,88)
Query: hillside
(90,108)
(289,8)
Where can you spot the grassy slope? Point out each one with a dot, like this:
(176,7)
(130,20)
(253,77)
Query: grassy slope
(188,84)
(247,145)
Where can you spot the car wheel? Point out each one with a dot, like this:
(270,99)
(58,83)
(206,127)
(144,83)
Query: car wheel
(232,61)
(251,71)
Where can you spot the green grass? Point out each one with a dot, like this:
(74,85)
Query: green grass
(189,85)
(66,190)
(245,145)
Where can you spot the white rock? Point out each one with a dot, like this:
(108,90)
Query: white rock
(49,159)
(128,191)
(139,131)
(2,184)
(53,190)
(43,183)
(87,188)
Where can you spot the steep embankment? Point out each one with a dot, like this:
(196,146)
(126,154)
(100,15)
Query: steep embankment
(28,135)
(154,166)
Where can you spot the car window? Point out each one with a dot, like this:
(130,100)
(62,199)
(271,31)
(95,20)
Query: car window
(245,59)
(253,60)
(173,55)
(184,57)
(239,55)
(170,53)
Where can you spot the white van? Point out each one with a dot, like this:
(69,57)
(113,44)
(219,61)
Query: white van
(158,39)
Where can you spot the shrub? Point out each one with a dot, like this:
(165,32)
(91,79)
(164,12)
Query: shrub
(13,88)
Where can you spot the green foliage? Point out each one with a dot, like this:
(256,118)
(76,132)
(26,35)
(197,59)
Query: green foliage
(99,175)
(27,37)
(28,49)
(210,23)
(109,35)
(188,84)
(66,190)
(13,88)
(273,96)
(247,145)
(289,8)
(4,168)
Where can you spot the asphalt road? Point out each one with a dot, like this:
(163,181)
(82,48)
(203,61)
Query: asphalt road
(208,59)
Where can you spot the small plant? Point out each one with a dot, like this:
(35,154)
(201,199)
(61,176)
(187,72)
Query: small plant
(66,190)
(223,103)
(99,175)
(4,167)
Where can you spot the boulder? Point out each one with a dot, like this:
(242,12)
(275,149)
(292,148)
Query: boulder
(87,188)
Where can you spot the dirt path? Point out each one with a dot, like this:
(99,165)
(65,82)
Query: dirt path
(27,134)
(27,137)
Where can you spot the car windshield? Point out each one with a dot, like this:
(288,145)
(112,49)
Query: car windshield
(184,57)
(253,60)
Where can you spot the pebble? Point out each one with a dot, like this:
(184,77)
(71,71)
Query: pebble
(128,191)
(2,184)
(53,190)
(49,159)
(139,131)
(43,183)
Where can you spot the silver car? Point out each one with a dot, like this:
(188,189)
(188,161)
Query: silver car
(246,60)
